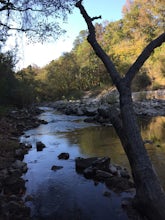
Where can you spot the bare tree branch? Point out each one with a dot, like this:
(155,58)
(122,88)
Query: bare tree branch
(97,17)
(13,8)
(40,19)
(143,57)
(97,48)
(16,29)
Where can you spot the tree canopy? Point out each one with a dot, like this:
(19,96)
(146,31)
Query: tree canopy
(39,19)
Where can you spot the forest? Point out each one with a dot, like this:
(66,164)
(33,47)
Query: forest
(80,70)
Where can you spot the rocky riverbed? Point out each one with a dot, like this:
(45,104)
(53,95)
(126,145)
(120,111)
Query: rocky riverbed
(12,186)
(97,108)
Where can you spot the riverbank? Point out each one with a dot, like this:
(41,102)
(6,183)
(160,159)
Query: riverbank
(12,186)
(96,106)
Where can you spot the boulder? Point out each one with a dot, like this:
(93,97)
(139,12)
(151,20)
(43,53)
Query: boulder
(99,169)
(83,163)
(102,163)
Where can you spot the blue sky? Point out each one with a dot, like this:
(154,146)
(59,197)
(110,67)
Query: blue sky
(41,55)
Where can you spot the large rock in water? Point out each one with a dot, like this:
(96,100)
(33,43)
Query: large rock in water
(94,162)
(40,146)
(83,163)
(102,163)
(63,156)
(100,169)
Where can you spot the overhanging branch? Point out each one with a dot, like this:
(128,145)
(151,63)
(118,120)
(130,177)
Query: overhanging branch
(16,29)
(13,8)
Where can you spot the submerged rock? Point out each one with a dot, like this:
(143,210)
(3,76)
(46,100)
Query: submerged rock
(119,184)
(107,194)
(54,167)
(63,156)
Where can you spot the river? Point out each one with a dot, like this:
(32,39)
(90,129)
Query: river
(66,195)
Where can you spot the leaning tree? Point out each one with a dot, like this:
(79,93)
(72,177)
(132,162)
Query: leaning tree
(150,197)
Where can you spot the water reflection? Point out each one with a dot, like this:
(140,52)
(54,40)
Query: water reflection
(101,141)
(64,194)
(98,141)
(155,130)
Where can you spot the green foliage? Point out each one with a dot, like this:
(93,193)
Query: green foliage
(144,18)
(28,86)
(7,79)
(16,89)
(123,40)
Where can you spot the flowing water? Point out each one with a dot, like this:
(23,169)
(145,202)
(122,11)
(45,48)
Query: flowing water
(66,195)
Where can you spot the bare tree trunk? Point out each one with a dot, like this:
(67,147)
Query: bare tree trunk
(150,197)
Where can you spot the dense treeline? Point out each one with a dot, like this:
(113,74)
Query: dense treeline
(15,89)
(81,70)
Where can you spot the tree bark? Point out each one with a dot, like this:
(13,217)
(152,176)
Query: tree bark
(150,197)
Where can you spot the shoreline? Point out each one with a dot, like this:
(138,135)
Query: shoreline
(12,186)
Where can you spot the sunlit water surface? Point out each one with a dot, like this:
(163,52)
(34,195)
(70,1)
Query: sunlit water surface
(66,195)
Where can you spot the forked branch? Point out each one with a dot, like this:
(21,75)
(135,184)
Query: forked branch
(97,48)
(105,58)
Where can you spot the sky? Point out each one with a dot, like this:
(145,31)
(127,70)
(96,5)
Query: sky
(42,54)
